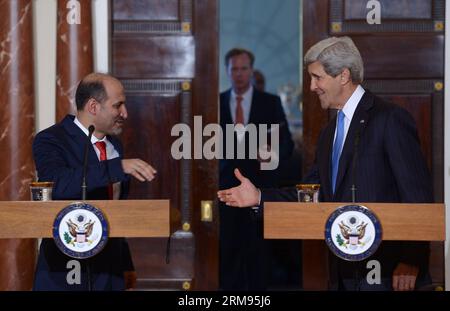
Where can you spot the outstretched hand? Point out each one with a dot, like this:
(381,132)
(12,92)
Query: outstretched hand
(244,195)
(139,169)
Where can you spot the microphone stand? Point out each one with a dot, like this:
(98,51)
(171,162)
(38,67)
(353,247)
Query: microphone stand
(355,155)
(353,189)
(83,195)
(86,152)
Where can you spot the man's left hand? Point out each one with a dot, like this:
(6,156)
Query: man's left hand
(404,277)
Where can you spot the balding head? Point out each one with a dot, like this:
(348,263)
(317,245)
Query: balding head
(93,86)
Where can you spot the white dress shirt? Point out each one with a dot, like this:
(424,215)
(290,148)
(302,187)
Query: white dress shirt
(111,153)
(349,110)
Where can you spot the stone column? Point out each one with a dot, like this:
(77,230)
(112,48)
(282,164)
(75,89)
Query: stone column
(74,52)
(17,257)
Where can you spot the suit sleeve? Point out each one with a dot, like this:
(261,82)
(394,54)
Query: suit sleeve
(51,157)
(411,175)
(279,195)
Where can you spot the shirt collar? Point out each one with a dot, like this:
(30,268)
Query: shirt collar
(247,96)
(86,132)
(352,102)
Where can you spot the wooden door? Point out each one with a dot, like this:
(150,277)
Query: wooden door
(165,52)
(404,63)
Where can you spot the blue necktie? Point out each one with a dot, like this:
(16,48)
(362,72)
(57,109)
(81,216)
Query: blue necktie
(337,148)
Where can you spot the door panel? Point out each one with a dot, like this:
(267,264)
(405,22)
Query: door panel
(165,53)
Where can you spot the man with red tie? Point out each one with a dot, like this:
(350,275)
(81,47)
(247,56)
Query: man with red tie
(59,153)
(243,251)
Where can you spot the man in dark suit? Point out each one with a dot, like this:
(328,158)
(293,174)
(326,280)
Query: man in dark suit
(371,144)
(59,153)
(243,254)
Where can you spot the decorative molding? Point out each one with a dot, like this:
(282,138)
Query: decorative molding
(435,89)
(186,285)
(437,145)
(438,86)
(402,86)
(186,164)
(155,86)
(183,89)
(186,11)
(148,27)
(182,27)
(186,226)
(435,24)
(162,283)
(438,26)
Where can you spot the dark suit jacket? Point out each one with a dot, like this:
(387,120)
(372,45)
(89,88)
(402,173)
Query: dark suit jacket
(242,259)
(58,155)
(389,167)
(265,109)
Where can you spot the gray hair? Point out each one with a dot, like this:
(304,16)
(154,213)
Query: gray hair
(335,54)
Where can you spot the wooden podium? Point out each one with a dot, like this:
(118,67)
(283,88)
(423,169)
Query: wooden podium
(126,218)
(306,221)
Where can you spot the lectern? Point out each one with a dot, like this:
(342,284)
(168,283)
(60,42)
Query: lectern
(306,221)
(126,218)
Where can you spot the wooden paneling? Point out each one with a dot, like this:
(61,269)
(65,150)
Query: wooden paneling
(394,60)
(153,57)
(156,115)
(403,16)
(145,10)
(164,274)
(398,9)
(165,53)
(206,172)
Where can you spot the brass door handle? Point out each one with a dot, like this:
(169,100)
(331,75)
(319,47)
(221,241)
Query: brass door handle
(206,211)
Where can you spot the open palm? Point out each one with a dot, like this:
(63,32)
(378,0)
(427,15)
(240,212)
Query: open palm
(244,195)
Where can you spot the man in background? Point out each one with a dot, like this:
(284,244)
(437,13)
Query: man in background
(243,251)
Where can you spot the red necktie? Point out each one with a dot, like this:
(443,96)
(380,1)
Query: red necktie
(239,111)
(101,145)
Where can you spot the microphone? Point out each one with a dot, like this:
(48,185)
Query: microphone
(91,130)
(355,156)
